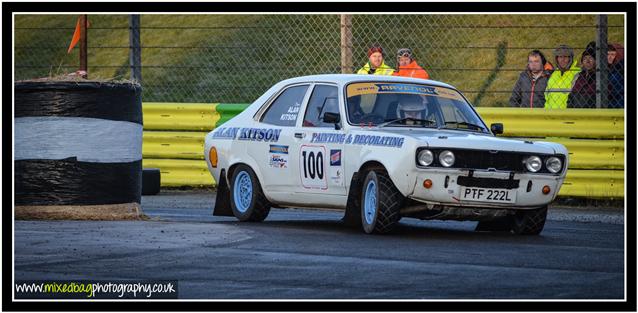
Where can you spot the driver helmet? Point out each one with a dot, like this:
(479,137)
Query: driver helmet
(412,106)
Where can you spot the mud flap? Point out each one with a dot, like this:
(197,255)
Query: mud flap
(222,201)
(352,216)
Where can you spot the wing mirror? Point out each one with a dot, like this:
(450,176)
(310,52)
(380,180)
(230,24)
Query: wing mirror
(332,118)
(496,128)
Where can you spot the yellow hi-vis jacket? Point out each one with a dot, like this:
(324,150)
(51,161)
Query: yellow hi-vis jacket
(381,70)
(559,86)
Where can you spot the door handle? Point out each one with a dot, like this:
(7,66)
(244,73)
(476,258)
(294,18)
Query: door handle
(299,135)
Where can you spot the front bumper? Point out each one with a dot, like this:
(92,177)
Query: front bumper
(446,188)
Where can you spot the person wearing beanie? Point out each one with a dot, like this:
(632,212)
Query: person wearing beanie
(562,80)
(583,94)
(529,90)
(407,65)
(616,62)
(375,66)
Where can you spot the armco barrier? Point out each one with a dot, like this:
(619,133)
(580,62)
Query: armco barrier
(594,184)
(174,142)
(173,145)
(177,173)
(188,116)
(571,123)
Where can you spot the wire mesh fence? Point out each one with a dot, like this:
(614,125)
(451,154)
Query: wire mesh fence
(235,58)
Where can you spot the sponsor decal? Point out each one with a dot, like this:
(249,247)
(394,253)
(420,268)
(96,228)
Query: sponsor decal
(279,149)
(247,133)
(336,178)
(406,88)
(278,161)
(377,88)
(335,157)
(368,140)
(327,138)
(291,113)
(259,134)
(272,135)
(225,133)
(373,140)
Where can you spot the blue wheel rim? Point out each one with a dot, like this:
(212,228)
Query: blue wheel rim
(242,191)
(370,203)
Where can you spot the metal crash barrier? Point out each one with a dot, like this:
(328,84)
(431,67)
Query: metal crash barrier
(173,141)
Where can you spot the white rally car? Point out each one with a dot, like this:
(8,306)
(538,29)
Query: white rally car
(381,148)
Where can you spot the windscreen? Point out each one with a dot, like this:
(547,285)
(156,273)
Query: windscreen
(413,105)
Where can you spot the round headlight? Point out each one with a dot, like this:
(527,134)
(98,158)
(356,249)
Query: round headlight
(533,164)
(446,158)
(553,164)
(425,157)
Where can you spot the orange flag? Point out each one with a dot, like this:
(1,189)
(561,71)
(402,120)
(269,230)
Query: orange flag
(76,35)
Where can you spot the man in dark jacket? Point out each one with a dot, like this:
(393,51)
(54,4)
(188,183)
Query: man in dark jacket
(529,91)
(615,59)
(583,94)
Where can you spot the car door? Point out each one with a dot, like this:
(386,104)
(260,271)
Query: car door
(276,157)
(320,156)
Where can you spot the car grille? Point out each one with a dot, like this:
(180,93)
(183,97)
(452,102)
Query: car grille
(489,160)
(500,161)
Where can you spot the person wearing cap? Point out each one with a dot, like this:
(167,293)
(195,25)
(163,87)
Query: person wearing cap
(583,94)
(529,90)
(562,80)
(375,66)
(615,60)
(407,65)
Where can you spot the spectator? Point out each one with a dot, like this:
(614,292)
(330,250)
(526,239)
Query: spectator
(376,66)
(615,59)
(562,80)
(407,65)
(583,94)
(529,90)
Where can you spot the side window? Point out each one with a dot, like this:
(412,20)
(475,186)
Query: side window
(284,110)
(323,99)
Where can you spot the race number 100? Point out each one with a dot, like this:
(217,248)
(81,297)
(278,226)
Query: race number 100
(312,163)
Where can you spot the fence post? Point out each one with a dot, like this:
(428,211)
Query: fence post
(601,62)
(346,44)
(135,51)
(83,46)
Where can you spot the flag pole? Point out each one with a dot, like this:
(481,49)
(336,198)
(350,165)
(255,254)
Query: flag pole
(83,46)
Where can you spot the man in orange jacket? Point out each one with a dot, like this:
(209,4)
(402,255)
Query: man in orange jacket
(407,65)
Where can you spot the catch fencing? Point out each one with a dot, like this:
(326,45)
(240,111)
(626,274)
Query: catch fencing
(234,58)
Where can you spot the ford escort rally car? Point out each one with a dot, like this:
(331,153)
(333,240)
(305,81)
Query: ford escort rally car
(380,148)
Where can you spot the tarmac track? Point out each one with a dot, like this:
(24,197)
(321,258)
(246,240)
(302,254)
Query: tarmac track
(310,254)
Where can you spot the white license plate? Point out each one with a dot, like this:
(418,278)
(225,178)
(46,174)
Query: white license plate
(488,195)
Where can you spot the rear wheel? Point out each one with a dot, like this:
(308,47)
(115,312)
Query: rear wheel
(529,222)
(247,199)
(380,202)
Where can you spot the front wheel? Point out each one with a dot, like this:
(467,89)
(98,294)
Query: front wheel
(529,222)
(380,202)
(247,199)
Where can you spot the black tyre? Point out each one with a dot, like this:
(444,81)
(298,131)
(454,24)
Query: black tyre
(247,200)
(151,181)
(529,222)
(380,202)
(498,224)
